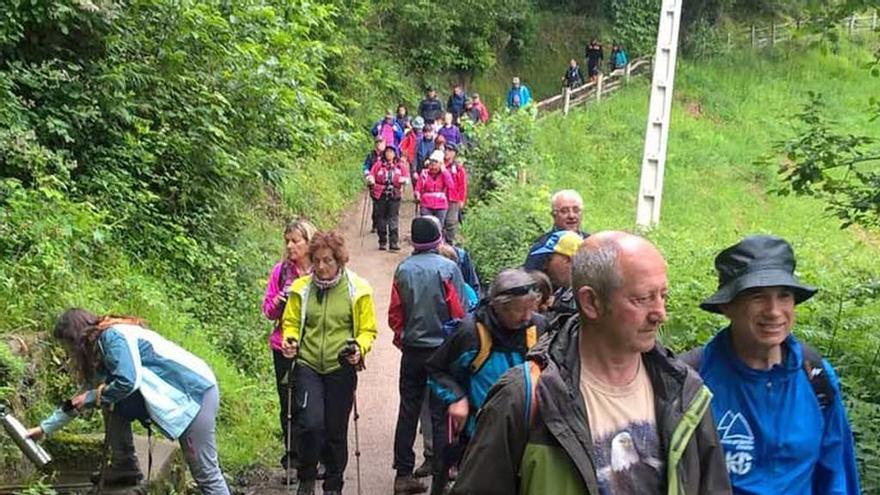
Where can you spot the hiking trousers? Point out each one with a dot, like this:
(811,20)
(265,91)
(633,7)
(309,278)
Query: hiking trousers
(324,405)
(412,386)
(436,213)
(199,444)
(453,218)
(387,220)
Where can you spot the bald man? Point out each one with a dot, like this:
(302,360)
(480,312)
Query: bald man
(601,407)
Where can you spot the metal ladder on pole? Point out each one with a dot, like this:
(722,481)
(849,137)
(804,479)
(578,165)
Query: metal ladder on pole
(660,106)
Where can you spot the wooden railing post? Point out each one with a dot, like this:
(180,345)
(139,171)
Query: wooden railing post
(729,42)
(566,99)
(852,24)
(772,33)
(599,88)
(754,37)
(874,21)
(626,72)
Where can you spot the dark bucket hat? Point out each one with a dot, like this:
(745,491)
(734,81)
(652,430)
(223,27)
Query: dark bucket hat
(756,261)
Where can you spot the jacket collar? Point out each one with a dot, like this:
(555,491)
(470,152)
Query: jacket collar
(792,357)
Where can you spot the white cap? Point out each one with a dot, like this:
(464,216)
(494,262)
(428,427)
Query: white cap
(437,155)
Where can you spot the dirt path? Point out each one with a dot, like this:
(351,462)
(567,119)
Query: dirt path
(377,389)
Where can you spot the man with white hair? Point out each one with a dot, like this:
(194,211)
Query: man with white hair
(567,208)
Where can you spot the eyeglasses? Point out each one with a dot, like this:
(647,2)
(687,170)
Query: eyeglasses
(567,210)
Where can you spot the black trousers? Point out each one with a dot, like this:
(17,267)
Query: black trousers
(412,385)
(387,220)
(324,405)
(282,367)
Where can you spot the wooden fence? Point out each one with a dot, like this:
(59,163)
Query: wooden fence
(775,33)
(604,86)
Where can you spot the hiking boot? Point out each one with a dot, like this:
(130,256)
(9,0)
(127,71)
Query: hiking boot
(118,477)
(394,247)
(306,487)
(425,470)
(322,471)
(408,484)
(382,247)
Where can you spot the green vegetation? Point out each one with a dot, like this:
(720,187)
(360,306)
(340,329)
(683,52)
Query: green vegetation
(727,114)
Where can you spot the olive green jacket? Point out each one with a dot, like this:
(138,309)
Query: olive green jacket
(533,436)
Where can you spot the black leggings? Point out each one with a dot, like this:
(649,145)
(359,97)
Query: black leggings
(282,366)
(323,405)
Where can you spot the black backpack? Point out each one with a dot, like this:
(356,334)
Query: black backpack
(813,367)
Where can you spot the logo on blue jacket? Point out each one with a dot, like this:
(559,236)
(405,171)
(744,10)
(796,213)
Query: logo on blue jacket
(738,441)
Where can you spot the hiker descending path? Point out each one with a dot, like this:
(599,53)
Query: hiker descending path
(377,385)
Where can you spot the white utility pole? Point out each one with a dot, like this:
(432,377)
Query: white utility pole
(657,133)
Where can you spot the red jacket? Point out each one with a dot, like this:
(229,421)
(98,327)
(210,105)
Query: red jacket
(394,174)
(458,192)
(408,146)
(484,112)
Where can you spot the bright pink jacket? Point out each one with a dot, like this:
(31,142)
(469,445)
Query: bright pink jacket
(275,286)
(397,173)
(459,175)
(433,190)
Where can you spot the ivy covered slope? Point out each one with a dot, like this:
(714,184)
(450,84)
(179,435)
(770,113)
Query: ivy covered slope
(151,151)
(720,182)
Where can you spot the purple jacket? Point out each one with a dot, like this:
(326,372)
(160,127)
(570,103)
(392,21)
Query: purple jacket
(452,134)
(273,288)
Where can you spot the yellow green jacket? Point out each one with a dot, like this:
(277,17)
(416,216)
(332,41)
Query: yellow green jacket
(320,349)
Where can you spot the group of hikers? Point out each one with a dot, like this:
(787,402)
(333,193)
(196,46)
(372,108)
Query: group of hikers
(594,54)
(551,380)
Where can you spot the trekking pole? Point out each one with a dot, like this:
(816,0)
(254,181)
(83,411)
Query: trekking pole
(364,216)
(289,416)
(357,442)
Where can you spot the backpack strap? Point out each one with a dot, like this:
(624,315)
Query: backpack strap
(531,336)
(485,344)
(531,374)
(485,347)
(693,358)
(817,376)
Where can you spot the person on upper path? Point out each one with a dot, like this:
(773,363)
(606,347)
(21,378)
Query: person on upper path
(567,208)
(600,407)
(388,177)
(594,55)
(777,403)
(449,130)
(456,102)
(134,373)
(484,345)
(617,59)
(574,77)
(329,325)
(388,128)
(427,291)
(433,186)
(457,195)
(431,109)
(557,253)
(518,95)
(296,263)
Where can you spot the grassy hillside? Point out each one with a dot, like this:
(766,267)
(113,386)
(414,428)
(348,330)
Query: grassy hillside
(727,113)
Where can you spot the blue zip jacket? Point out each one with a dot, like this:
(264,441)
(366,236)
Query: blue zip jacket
(171,379)
(776,438)
(449,369)
(525,96)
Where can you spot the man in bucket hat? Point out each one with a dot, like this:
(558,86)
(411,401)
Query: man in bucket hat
(777,403)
